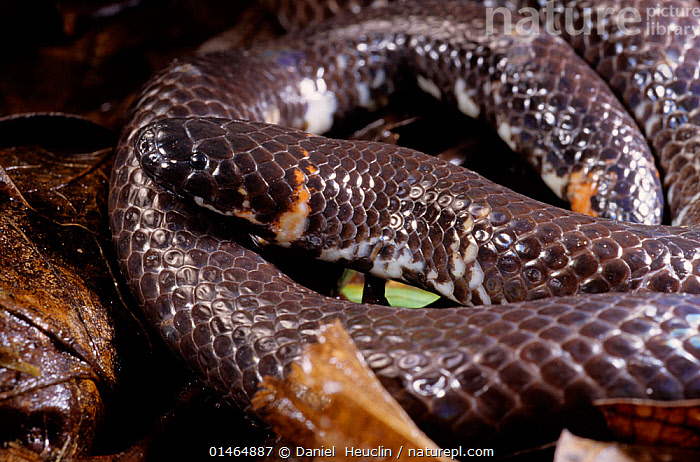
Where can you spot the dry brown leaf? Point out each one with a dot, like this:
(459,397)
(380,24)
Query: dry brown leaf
(56,335)
(82,58)
(331,401)
(674,424)
(572,448)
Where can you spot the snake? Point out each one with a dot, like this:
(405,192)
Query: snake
(558,309)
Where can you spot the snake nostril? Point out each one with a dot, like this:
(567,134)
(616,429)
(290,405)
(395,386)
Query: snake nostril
(145,143)
(145,146)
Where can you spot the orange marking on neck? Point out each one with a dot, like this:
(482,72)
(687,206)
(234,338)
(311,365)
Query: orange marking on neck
(580,190)
(310,169)
(292,224)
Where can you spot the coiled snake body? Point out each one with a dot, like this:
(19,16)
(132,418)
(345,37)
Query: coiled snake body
(466,372)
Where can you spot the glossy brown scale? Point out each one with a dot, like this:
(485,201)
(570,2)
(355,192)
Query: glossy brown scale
(467,374)
(656,75)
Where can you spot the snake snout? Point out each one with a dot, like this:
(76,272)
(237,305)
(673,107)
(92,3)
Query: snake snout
(145,148)
(166,153)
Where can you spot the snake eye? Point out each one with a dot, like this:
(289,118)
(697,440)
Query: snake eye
(198,161)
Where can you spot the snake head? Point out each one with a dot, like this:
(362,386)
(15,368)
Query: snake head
(254,171)
(179,156)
